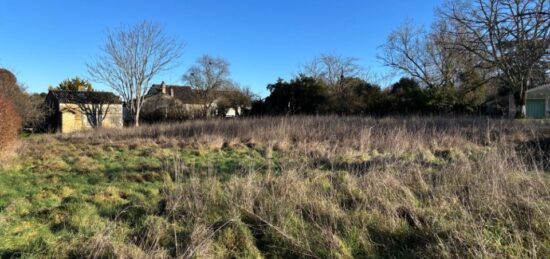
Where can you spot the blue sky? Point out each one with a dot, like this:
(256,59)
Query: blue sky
(47,41)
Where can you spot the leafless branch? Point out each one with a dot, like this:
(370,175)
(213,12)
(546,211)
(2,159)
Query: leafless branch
(131,58)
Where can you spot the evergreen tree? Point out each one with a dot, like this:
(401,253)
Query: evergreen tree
(74,84)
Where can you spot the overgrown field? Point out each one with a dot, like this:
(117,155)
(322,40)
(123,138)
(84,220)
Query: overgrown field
(322,187)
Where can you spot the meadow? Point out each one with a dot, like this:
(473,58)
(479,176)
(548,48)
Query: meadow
(282,187)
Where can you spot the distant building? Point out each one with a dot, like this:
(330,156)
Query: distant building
(79,110)
(181,102)
(537,103)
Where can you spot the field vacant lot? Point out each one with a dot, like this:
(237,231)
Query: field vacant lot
(321,187)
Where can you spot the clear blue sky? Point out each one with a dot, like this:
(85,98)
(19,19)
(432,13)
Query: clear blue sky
(47,41)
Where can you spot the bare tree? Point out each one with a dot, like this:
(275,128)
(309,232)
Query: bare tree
(131,58)
(206,77)
(236,97)
(511,36)
(330,69)
(420,54)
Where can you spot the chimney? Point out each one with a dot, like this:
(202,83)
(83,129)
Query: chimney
(163,85)
(172,91)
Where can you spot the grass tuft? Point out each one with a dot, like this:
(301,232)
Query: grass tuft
(315,187)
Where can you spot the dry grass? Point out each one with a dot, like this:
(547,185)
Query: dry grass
(338,187)
(330,137)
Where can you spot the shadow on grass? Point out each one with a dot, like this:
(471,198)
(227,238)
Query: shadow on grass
(409,244)
(536,152)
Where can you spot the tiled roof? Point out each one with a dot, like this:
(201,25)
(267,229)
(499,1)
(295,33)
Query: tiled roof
(184,94)
(91,97)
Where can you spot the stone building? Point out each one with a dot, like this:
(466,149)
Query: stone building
(173,102)
(80,110)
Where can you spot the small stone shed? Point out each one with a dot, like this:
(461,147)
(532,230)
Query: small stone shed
(71,111)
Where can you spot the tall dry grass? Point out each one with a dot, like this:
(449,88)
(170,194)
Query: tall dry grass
(340,130)
(332,136)
(348,187)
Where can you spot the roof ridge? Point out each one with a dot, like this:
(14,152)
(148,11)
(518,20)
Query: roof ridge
(169,85)
(69,96)
(78,91)
(538,87)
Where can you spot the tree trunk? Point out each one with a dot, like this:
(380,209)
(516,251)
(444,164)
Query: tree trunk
(206,111)
(99,121)
(521,100)
(521,111)
(136,119)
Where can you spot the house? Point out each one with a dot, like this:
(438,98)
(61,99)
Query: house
(79,110)
(538,102)
(173,102)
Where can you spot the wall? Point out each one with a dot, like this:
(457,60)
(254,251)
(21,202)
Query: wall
(73,118)
(542,92)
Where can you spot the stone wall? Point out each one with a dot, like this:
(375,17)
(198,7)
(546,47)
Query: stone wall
(74,117)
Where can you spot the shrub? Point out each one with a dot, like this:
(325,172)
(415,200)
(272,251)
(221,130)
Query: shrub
(302,95)
(30,108)
(10,124)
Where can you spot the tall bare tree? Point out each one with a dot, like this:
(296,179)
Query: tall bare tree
(511,36)
(131,58)
(330,69)
(206,77)
(421,54)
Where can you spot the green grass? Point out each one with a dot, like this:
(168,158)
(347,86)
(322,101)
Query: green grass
(64,193)
(448,195)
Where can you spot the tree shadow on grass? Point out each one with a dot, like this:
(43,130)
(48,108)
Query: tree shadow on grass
(536,153)
(409,244)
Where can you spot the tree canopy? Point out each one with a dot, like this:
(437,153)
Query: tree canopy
(75,84)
